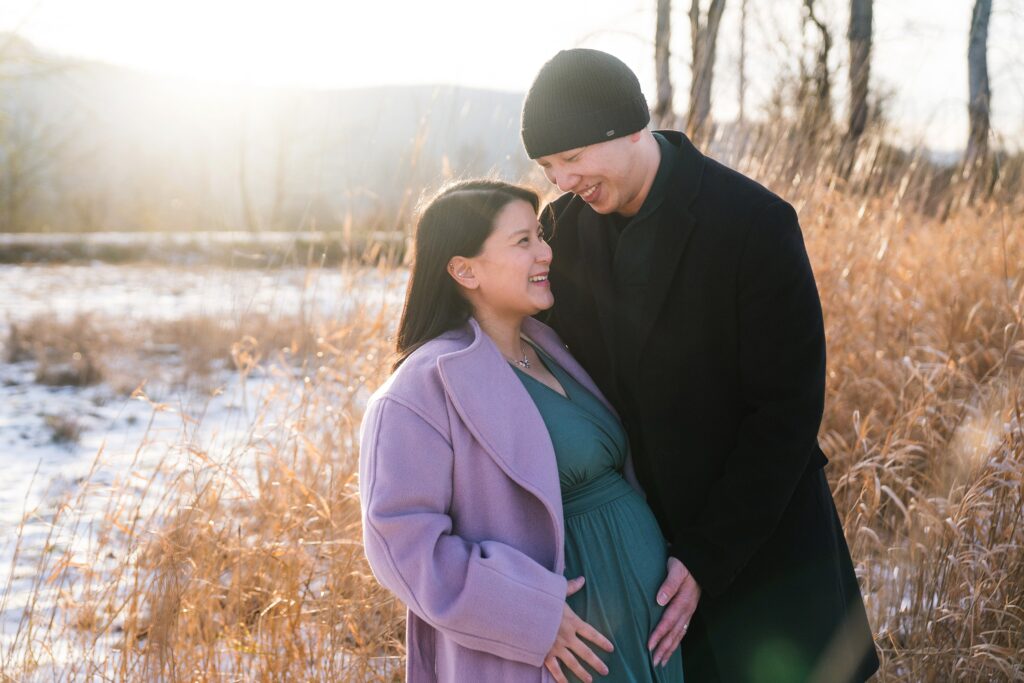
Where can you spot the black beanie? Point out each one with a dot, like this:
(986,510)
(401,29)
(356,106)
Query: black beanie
(578,98)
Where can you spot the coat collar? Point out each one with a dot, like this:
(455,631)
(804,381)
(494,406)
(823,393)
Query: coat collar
(674,223)
(497,410)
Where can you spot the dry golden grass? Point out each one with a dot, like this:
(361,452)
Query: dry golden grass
(183,352)
(249,566)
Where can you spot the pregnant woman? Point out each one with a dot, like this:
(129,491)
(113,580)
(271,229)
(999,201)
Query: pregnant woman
(492,469)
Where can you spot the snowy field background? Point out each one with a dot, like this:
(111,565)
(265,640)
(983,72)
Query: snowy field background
(118,440)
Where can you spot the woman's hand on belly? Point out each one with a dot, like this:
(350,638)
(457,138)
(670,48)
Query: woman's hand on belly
(569,644)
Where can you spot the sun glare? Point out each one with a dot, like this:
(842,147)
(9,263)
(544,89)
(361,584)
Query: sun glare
(312,43)
(350,44)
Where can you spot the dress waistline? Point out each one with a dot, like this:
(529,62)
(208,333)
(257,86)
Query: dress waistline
(595,493)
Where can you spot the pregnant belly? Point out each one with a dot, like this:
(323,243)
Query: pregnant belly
(617,546)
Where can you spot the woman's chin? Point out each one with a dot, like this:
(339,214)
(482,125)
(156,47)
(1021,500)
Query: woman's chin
(545,305)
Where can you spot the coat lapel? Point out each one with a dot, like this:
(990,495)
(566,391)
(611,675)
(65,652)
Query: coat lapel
(498,411)
(675,224)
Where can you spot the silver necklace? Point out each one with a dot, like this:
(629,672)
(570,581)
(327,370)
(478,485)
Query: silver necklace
(525,362)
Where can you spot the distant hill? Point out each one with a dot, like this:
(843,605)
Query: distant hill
(88,146)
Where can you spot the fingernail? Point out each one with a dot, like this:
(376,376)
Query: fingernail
(662,599)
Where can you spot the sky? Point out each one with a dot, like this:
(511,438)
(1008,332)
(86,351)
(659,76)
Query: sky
(920,46)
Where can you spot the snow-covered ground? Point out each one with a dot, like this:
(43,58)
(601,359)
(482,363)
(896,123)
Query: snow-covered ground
(39,475)
(167,292)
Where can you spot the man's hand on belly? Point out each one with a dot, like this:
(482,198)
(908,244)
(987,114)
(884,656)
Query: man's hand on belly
(681,593)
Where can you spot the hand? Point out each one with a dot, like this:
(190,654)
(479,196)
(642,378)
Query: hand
(681,593)
(568,645)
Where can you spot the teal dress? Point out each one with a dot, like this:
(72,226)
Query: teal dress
(611,536)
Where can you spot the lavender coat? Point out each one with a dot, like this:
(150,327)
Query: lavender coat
(462,511)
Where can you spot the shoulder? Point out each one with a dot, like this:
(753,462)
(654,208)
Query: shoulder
(417,384)
(775,234)
(711,189)
(726,188)
(737,209)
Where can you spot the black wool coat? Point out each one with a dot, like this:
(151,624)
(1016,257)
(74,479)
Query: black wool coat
(722,398)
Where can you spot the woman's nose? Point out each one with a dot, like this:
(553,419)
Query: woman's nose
(544,255)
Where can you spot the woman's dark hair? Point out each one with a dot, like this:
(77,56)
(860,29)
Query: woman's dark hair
(456,222)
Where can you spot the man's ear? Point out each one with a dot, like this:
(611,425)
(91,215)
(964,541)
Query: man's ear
(461,270)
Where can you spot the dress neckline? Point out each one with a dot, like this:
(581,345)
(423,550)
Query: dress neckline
(550,364)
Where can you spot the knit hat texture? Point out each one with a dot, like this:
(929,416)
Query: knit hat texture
(580,97)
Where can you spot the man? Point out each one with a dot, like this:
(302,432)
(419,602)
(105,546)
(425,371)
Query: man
(685,290)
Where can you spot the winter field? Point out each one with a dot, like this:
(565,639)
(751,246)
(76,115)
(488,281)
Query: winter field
(204,219)
(123,384)
(178,445)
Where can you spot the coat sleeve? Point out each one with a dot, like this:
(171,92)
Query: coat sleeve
(486,595)
(782,384)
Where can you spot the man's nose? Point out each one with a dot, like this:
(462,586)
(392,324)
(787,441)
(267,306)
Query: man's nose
(563,180)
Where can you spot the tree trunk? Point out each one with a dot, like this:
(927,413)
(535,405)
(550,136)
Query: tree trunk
(820,113)
(703,36)
(859,36)
(249,217)
(980,93)
(743,62)
(663,114)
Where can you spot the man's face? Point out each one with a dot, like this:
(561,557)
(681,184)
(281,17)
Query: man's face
(606,175)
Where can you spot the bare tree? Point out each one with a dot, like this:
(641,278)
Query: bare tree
(859,35)
(663,113)
(980,92)
(249,217)
(743,62)
(703,37)
(819,111)
(31,146)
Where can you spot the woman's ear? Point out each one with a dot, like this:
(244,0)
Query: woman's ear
(461,270)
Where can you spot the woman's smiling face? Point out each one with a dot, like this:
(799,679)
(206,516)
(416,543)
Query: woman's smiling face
(509,277)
